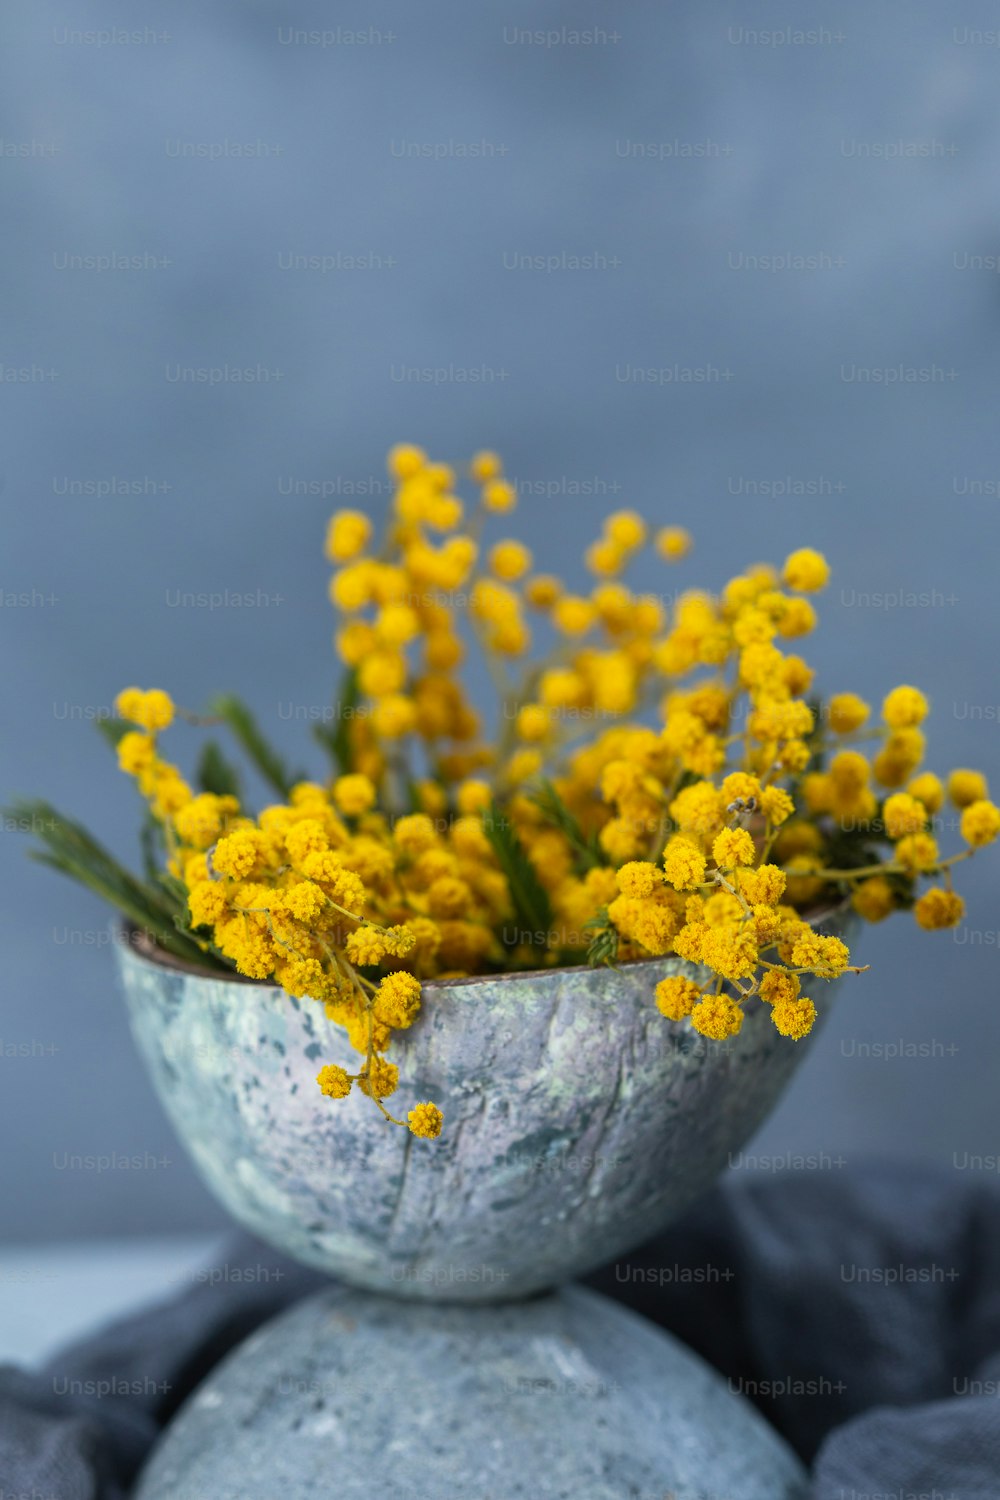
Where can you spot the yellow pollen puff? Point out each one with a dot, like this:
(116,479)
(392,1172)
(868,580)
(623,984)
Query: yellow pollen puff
(524,764)
(510,560)
(849,771)
(797,618)
(485,465)
(204,818)
(739,785)
(543,590)
(474,796)
(928,789)
(763,886)
(605,558)
(441,476)
(794,1018)
(677,997)
(499,496)
(733,846)
(805,571)
(382,673)
(533,722)
(136,752)
(415,833)
(797,675)
(938,909)
(965,787)
(673,543)
(351,587)
(334,1082)
(394,716)
(903,814)
(405,460)
(239,854)
(717,1017)
(562,688)
(980,823)
(366,946)
(778,987)
(904,708)
(353,795)
(873,899)
(899,757)
(639,878)
(380,1080)
(152,710)
(826,956)
(573,615)
(917,852)
(397,1001)
(683,864)
(397,624)
(625,529)
(354,642)
(776,805)
(731,953)
(348,534)
(426,1120)
(846,712)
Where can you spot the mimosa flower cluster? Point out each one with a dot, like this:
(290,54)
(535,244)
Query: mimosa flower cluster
(659,781)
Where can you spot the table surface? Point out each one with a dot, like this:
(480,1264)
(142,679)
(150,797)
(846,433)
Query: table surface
(52,1294)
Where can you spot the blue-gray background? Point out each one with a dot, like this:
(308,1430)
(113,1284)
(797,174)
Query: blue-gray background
(674,146)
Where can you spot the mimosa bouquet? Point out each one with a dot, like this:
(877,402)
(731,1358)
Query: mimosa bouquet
(659,779)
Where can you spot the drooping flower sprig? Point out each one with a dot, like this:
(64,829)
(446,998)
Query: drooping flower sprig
(659,781)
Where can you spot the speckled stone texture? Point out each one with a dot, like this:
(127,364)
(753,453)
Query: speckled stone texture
(578,1122)
(566,1397)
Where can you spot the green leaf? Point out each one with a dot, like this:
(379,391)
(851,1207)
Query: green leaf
(815,735)
(263,757)
(555,811)
(336,741)
(151,844)
(70,849)
(530,899)
(113,730)
(603,946)
(215,774)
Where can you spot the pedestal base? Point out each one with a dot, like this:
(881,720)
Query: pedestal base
(566,1397)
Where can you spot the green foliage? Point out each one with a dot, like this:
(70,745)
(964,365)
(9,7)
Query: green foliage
(531,902)
(555,812)
(603,946)
(151,844)
(814,739)
(234,712)
(336,741)
(68,847)
(113,730)
(215,774)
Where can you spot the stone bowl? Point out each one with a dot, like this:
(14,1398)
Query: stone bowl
(578,1121)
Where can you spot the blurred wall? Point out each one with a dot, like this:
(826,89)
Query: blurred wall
(785,330)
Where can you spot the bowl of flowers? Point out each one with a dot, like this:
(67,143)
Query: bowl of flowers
(478,1008)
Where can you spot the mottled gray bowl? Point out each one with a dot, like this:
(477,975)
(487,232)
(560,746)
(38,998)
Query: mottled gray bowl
(358,1396)
(578,1121)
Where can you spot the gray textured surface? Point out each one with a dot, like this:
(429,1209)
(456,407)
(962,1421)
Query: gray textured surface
(577,1121)
(568,1397)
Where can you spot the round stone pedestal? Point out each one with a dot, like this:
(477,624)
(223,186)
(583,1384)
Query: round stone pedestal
(566,1397)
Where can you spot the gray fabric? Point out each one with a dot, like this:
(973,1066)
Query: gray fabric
(861,1312)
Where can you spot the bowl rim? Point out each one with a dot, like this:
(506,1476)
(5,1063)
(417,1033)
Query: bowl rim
(144,951)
